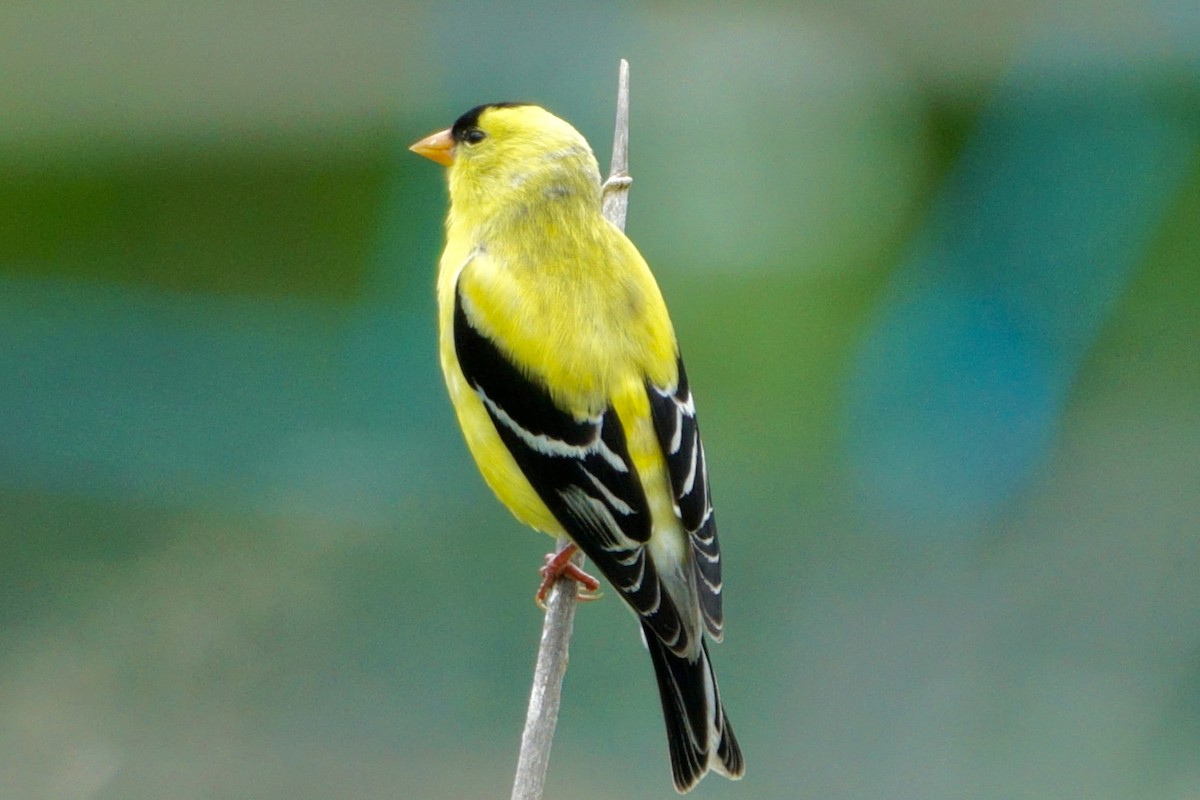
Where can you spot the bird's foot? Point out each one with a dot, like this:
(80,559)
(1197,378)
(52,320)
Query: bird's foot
(559,565)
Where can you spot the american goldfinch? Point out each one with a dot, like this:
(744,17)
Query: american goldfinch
(564,372)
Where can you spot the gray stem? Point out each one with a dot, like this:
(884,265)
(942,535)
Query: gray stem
(546,694)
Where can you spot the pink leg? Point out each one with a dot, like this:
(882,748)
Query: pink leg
(559,565)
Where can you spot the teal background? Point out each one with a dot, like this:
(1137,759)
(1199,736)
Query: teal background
(936,273)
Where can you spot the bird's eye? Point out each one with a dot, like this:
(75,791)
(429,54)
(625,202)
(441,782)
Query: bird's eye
(474,136)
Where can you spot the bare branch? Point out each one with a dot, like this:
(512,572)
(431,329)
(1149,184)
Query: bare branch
(616,188)
(546,694)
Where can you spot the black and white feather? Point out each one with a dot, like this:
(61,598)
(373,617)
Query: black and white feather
(674,413)
(581,469)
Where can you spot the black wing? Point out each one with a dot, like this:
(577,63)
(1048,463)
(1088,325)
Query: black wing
(581,470)
(675,422)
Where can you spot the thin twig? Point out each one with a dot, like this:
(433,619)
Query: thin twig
(544,697)
(546,694)
(616,188)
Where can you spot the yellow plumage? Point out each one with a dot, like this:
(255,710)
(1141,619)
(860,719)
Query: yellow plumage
(564,372)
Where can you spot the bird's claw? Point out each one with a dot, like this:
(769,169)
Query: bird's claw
(559,565)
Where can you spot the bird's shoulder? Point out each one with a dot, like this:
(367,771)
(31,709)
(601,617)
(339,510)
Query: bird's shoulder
(582,323)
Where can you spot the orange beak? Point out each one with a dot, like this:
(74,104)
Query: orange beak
(437,147)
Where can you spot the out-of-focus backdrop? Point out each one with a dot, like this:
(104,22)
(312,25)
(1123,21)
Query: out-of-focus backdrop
(936,271)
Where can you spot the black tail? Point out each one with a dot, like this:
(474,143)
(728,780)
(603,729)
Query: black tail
(698,732)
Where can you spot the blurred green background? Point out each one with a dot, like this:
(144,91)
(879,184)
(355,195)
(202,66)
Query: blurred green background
(935,271)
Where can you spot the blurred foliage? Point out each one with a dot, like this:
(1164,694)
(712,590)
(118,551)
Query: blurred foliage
(252,222)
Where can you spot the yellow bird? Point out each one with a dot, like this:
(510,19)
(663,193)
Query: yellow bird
(565,374)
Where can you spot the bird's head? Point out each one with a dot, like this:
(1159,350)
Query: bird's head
(513,155)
